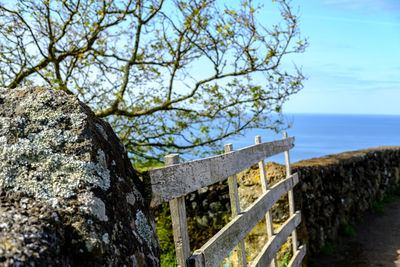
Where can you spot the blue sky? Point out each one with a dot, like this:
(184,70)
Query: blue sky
(353,60)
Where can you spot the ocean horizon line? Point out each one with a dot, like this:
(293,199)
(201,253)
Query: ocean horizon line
(327,114)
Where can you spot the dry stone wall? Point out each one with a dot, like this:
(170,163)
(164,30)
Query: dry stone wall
(337,190)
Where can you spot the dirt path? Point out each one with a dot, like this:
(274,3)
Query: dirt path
(376,242)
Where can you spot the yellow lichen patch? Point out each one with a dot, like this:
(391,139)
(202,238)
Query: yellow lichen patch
(7,244)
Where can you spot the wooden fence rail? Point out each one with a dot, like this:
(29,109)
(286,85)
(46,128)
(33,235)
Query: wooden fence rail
(174,181)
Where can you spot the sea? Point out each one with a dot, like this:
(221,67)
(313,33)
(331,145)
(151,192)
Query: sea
(317,135)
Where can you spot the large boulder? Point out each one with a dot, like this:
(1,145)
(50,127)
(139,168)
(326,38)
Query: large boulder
(68,193)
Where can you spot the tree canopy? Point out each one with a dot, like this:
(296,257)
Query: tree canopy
(168,75)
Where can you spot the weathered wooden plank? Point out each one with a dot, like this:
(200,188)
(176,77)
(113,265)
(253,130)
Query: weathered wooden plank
(235,208)
(216,249)
(233,189)
(298,257)
(179,221)
(174,181)
(179,226)
(264,186)
(290,196)
(274,244)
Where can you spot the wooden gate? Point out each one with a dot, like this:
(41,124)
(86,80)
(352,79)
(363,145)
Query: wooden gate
(174,181)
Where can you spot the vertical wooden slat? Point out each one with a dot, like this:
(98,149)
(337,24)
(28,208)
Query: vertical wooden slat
(298,257)
(290,195)
(264,185)
(179,222)
(235,207)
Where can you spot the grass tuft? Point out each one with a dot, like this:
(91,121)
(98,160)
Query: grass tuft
(285,260)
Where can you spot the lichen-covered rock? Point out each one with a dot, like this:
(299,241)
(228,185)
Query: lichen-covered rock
(68,193)
(30,239)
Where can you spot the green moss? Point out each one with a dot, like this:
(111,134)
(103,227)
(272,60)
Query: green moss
(329,248)
(388,199)
(165,235)
(378,208)
(285,260)
(347,230)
